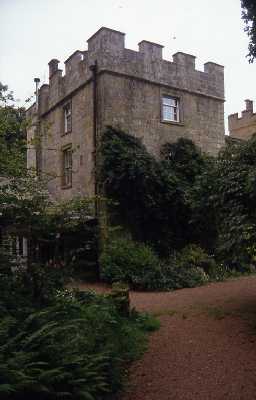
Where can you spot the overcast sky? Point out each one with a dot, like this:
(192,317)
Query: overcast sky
(34,31)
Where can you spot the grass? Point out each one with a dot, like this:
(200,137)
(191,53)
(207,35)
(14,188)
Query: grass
(162,313)
(217,313)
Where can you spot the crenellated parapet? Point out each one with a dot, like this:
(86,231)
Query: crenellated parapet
(245,126)
(107,47)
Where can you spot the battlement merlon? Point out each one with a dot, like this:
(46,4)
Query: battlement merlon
(44,98)
(151,50)
(184,59)
(232,121)
(53,67)
(73,61)
(106,39)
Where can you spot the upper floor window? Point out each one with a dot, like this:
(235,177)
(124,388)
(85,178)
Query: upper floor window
(67,167)
(67,118)
(170,109)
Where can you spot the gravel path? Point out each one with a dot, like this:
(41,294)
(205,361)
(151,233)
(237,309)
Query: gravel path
(205,348)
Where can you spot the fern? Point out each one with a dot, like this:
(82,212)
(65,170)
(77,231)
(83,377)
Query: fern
(70,350)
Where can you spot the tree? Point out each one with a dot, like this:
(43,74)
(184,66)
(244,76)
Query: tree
(234,202)
(152,195)
(12,135)
(249,17)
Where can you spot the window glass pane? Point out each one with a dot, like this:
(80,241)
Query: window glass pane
(67,118)
(169,101)
(67,167)
(168,113)
(170,109)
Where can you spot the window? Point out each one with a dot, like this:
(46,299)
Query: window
(170,109)
(67,167)
(67,118)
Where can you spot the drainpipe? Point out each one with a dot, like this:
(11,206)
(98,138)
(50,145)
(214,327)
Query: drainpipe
(36,80)
(94,69)
(37,136)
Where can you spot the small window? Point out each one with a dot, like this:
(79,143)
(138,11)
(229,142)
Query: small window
(170,109)
(67,167)
(67,118)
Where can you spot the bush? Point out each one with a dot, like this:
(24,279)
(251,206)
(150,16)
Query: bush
(72,349)
(193,256)
(133,263)
(176,277)
(136,264)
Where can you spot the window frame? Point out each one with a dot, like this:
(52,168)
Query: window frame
(176,108)
(67,167)
(67,118)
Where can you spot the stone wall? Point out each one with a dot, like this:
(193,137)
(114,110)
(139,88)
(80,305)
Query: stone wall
(135,107)
(130,85)
(80,139)
(245,126)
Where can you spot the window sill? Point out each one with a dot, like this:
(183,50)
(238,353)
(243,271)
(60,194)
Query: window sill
(64,187)
(172,123)
(66,133)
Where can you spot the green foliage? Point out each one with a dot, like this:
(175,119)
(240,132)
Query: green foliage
(73,349)
(249,17)
(234,202)
(134,263)
(152,196)
(12,135)
(185,198)
(222,203)
(23,201)
(60,232)
(176,277)
(184,158)
(194,256)
(204,213)
(191,256)
(193,267)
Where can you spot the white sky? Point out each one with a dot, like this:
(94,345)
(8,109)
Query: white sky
(34,31)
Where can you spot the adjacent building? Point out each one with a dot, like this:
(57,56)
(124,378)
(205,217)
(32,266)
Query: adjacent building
(245,126)
(139,92)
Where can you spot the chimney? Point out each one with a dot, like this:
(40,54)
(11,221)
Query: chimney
(249,105)
(53,67)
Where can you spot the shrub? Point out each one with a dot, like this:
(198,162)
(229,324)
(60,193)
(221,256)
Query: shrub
(193,256)
(137,265)
(133,263)
(219,272)
(176,277)
(72,349)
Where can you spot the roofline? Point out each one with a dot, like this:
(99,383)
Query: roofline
(76,51)
(185,54)
(154,44)
(108,29)
(32,105)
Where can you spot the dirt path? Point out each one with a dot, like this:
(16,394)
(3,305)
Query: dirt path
(205,348)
